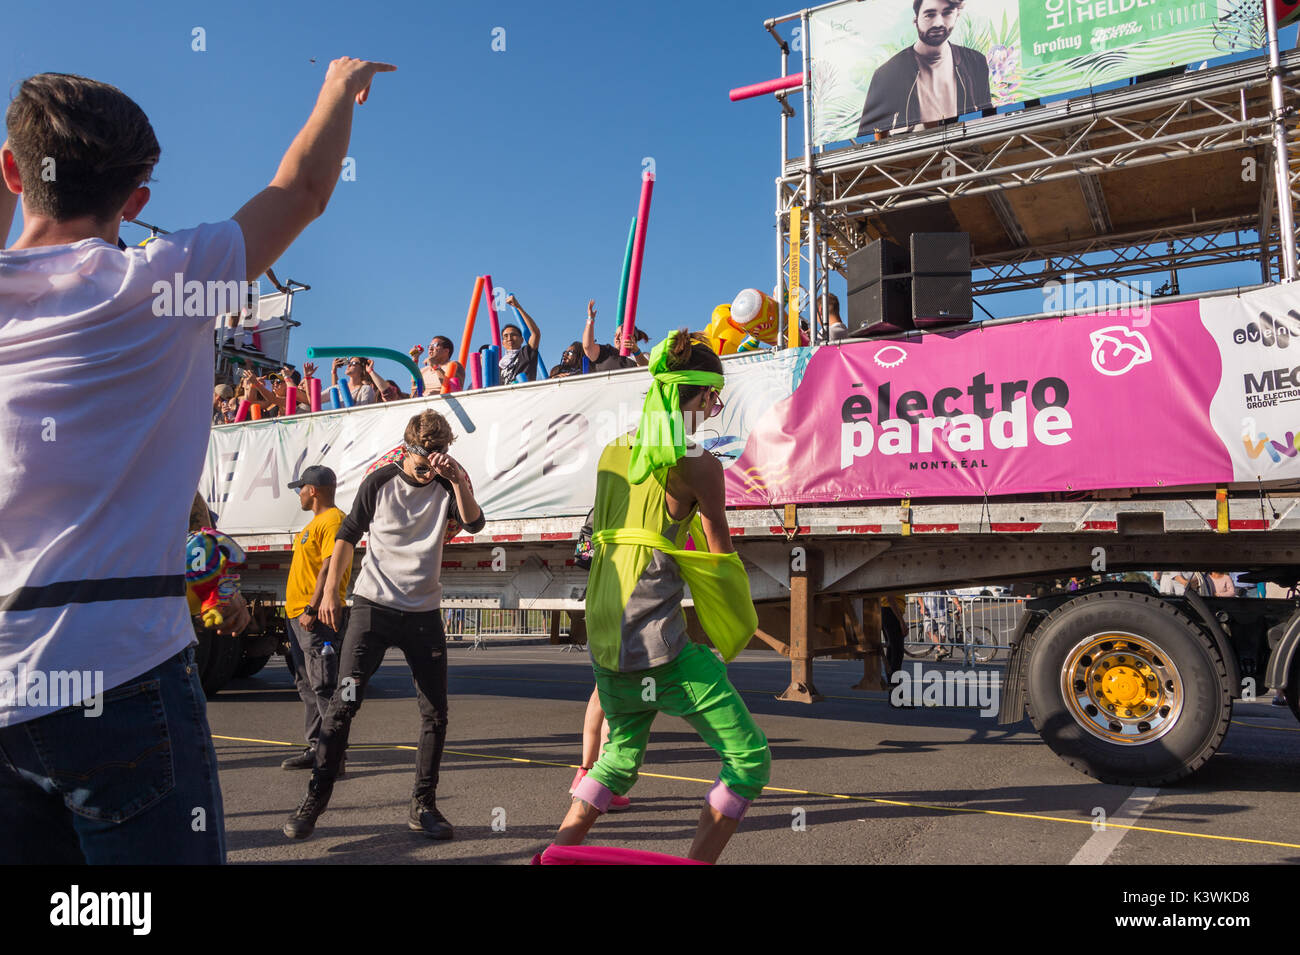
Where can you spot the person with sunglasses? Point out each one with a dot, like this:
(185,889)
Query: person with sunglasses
(363,393)
(570,362)
(654,489)
(405,508)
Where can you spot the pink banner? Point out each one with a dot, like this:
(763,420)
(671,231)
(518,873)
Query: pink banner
(1099,401)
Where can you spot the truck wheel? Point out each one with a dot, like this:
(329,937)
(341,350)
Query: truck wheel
(250,665)
(223,659)
(1293,689)
(1125,688)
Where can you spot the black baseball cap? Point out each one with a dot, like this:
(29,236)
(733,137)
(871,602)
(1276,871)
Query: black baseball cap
(317,476)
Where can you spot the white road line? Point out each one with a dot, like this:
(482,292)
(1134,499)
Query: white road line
(1103,842)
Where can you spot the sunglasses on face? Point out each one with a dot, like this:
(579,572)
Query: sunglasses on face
(714,404)
(424,470)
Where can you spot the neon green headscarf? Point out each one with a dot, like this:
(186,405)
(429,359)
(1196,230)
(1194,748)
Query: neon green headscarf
(661,436)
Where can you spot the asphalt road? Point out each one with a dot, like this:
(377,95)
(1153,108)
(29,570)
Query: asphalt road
(853,780)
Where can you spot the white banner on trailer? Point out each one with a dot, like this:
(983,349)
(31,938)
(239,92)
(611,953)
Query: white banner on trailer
(529,450)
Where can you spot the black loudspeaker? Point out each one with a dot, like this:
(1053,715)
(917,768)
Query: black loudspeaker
(941,286)
(878,290)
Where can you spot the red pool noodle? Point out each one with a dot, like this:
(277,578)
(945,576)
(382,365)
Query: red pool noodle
(607,855)
(290,398)
(241,413)
(492,311)
(313,393)
(638,253)
(469,322)
(767,86)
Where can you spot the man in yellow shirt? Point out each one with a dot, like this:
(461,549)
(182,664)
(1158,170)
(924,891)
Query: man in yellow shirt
(316,668)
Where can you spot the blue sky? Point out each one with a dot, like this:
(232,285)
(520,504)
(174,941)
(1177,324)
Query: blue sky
(524,163)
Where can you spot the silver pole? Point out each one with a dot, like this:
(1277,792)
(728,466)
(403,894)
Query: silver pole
(1281,163)
(825,277)
(809,185)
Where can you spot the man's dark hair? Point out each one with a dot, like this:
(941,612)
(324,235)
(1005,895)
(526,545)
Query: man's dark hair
(916,5)
(505,328)
(99,141)
(296,378)
(444,341)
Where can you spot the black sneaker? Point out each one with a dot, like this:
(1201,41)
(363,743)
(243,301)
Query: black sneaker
(304,760)
(426,818)
(303,821)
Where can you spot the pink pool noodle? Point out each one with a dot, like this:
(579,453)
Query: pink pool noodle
(476,371)
(492,311)
(607,855)
(313,393)
(767,86)
(455,385)
(638,254)
(241,414)
(290,398)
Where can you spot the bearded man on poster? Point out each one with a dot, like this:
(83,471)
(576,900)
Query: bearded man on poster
(929,81)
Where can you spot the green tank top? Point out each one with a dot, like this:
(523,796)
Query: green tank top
(635,590)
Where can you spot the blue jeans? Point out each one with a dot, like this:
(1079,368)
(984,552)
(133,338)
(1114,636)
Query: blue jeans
(135,785)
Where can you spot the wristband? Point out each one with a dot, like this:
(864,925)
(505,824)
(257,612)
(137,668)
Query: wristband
(309,612)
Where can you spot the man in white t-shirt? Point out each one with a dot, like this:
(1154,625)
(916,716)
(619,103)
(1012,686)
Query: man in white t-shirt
(105,751)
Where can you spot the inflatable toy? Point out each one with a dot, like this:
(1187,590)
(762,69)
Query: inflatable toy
(607,855)
(347,351)
(211,559)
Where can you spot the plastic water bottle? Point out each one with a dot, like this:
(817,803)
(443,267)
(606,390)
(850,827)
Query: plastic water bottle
(327,650)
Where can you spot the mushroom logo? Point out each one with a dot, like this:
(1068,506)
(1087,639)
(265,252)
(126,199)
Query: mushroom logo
(1117,349)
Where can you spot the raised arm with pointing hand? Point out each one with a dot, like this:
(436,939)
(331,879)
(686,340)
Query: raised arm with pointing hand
(303,184)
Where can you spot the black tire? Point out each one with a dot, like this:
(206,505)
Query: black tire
(983,644)
(1186,673)
(223,659)
(250,665)
(202,652)
(892,633)
(1293,688)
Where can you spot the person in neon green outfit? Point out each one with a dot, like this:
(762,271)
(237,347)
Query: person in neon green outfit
(653,490)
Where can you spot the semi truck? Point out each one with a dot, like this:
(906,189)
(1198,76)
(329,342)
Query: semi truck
(1125,684)
(1085,439)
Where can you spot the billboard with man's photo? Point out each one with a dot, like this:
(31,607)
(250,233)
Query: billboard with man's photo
(891,65)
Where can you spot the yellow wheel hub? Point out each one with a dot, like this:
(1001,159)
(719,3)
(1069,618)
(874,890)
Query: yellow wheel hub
(1127,687)
(1121,688)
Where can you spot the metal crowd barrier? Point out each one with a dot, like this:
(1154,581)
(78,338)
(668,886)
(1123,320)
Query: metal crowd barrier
(483,622)
(974,629)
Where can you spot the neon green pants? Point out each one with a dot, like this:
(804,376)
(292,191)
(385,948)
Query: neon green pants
(695,687)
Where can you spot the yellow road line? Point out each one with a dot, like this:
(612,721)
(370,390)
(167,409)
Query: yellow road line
(1261,726)
(808,792)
